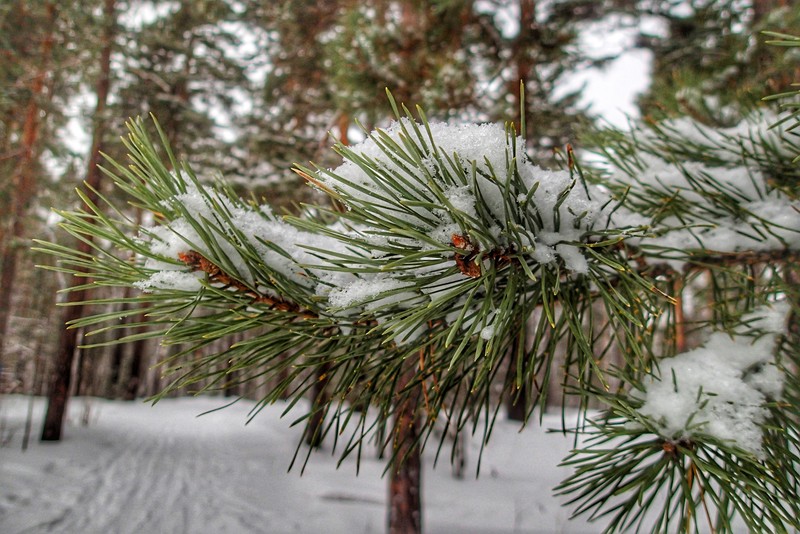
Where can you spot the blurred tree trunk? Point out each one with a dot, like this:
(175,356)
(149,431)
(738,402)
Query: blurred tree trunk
(522,50)
(23,179)
(115,373)
(68,341)
(138,369)
(517,404)
(319,402)
(405,502)
(761,8)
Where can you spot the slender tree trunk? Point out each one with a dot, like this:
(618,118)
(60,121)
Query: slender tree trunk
(117,355)
(138,369)
(319,403)
(68,341)
(524,63)
(761,8)
(77,368)
(518,402)
(405,499)
(23,180)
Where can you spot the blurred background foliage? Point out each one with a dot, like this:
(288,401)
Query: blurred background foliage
(244,89)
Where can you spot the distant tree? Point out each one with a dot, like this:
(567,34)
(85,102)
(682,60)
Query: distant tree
(68,339)
(709,63)
(330,62)
(182,67)
(26,68)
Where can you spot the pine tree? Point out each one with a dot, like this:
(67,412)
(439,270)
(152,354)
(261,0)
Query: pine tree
(181,68)
(329,63)
(414,300)
(68,340)
(709,65)
(30,51)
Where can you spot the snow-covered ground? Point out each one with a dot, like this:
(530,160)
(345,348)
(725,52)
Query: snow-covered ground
(152,470)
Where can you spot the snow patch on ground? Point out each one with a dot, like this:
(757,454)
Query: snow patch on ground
(142,469)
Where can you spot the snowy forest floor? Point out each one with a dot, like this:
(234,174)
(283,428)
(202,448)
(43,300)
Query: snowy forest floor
(144,469)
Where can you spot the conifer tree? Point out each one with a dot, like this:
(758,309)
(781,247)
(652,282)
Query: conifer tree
(709,65)
(68,339)
(30,51)
(414,300)
(180,67)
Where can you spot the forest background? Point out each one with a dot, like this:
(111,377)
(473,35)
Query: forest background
(245,89)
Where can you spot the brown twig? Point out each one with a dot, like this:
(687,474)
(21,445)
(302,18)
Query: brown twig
(198,262)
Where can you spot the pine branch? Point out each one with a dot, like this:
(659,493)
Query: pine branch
(198,262)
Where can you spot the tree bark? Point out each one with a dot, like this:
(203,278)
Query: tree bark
(319,403)
(68,340)
(136,376)
(405,502)
(519,398)
(524,63)
(23,180)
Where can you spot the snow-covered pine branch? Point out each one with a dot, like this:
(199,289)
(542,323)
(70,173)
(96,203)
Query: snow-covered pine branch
(709,194)
(417,295)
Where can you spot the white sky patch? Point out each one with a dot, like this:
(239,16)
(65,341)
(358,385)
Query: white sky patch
(610,91)
(141,13)
(76,136)
(505,13)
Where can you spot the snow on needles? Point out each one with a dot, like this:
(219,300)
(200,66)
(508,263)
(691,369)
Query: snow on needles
(471,181)
(284,249)
(426,191)
(703,189)
(721,388)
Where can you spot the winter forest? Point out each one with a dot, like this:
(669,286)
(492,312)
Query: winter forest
(399,266)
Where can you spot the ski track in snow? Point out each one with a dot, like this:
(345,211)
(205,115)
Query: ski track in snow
(142,470)
(169,500)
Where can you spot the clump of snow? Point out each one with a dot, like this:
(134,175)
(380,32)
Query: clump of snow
(281,247)
(715,199)
(363,290)
(721,388)
(466,176)
(487,332)
(170,280)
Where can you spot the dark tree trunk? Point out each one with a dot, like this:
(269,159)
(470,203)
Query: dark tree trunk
(23,181)
(320,399)
(761,8)
(138,369)
(521,396)
(68,341)
(78,368)
(405,498)
(117,355)
(516,405)
(524,63)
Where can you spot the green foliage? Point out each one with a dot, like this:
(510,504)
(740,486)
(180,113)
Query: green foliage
(296,331)
(183,68)
(445,294)
(709,64)
(456,279)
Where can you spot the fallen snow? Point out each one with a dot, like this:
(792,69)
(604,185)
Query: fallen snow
(142,469)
